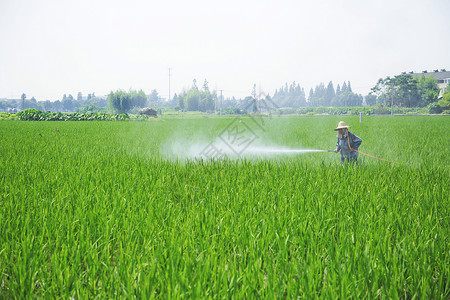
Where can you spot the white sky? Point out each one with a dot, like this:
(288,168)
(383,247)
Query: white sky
(53,47)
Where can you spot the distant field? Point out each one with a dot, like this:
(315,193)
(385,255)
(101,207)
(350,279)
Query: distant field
(106,209)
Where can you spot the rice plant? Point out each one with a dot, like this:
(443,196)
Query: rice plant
(96,209)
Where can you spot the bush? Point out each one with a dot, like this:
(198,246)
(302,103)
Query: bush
(7,116)
(434,108)
(381,110)
(91,109)
(233,111)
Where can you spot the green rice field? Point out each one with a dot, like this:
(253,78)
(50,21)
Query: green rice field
(118,209)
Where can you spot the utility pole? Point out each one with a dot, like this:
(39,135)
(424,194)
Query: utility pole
(392,105)
(169,84)
(220,102)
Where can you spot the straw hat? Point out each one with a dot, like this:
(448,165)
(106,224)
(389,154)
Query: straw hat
(341,125)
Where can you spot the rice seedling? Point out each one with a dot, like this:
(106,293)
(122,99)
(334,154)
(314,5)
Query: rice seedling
(97,209)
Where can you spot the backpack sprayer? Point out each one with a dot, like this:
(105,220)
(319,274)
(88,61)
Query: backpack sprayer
(351,149)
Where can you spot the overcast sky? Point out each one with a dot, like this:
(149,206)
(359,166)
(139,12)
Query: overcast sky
(54,47)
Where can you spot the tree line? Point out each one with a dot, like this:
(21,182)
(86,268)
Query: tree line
(404,90)
(66,104)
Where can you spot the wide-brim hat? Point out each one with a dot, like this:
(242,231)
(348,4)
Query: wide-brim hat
(342,125)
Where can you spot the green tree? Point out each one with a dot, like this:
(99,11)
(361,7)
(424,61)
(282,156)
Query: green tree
(119,101)
(406,90)
(254,91)
(311,97)
(197,100)
(338,90)
(205,86)
(371,99)
(329,94)
(193,99)
(181,102)
(154,97)
(47,105)
(22,104)
(138,99)
(318,98)
(67,104)
(428,89)
(445,101)
(174,101)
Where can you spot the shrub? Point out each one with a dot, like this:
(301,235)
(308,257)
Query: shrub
(381,110)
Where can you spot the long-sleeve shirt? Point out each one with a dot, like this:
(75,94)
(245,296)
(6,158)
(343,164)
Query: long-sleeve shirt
(342,145)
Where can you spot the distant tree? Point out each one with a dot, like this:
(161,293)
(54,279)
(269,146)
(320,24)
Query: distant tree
(344,87)
(89,96)
(22,104)
(205,86)
(349,87)
(100,102)
(338,90)
(248,104)
(311,97)
(79,96)
(428,89)
(181,103)
(119,101)
(57,106)
(401,90)
(406,91)
(193,99)
(371,99)
(64,97)
(67,104)
(319,95)
(329,94)
(139,99)
(33,99)
(154,97)
(90,108)
(197,100)
(175,100)
(47,105)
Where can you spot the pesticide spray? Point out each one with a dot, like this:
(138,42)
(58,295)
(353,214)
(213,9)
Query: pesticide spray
(280,151)
(219,149)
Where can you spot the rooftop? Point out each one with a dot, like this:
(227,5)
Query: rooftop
(438,74)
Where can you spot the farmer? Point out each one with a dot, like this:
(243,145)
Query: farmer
(347,143)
